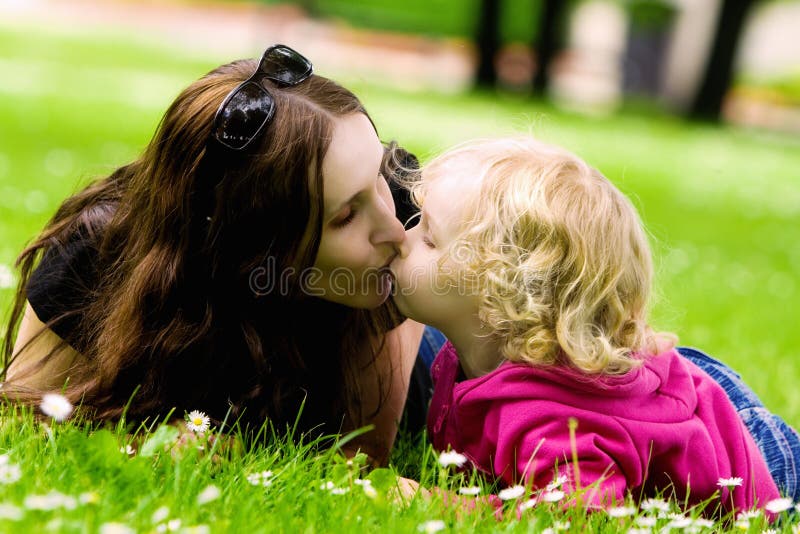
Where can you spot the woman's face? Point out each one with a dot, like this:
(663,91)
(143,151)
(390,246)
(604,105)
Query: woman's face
(360,233)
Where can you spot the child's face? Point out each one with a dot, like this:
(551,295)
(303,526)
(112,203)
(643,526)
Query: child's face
(424,291)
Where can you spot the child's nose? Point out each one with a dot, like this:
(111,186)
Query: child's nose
(403,249)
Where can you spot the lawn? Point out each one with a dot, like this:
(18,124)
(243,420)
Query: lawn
(722,207)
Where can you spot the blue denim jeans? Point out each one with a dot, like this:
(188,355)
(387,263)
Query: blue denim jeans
(420,388)
(778,442)
(432,341)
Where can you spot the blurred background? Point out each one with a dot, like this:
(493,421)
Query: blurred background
(692,107)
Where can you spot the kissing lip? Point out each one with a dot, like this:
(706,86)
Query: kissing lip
(385,266)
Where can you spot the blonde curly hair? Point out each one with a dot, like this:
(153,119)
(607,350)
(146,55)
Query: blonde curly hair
(560,257)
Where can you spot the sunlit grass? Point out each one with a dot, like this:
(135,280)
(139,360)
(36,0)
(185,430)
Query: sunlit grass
(722,206)
(75,477)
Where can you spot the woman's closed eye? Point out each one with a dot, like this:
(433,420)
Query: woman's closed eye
(428,243)
(347,219)
(351,213)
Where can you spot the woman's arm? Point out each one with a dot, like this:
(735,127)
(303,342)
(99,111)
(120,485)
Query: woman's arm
(34,341)
(394,365)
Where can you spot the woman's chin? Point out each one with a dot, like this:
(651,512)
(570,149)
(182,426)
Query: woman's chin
(369,298)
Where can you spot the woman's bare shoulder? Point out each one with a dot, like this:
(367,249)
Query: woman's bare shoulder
(34,342)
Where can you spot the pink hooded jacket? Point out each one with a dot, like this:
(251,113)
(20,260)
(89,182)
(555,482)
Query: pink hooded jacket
(663,425)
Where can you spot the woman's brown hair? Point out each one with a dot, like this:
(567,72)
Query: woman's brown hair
(173,321)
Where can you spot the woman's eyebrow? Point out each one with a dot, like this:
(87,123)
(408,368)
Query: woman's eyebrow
(343,204)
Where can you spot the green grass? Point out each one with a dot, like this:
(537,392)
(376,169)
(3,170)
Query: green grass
(722,206)
(73,477)
(436,18)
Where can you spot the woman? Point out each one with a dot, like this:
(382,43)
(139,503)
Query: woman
(238,264)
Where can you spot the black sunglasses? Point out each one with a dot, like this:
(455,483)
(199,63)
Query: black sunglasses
(247,109)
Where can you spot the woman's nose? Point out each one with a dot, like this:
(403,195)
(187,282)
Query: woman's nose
(388,228)
(390,231)
(405,247)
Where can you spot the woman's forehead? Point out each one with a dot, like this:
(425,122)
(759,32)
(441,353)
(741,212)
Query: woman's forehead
(352,161)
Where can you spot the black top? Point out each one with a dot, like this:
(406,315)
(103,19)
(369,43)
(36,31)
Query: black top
(62,284)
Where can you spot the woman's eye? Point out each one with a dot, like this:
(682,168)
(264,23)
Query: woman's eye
(346,220)
(428,242)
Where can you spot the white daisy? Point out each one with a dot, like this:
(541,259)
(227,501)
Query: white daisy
(471,490)
(264,478)
(680,522)
(9,473)
(530,503)
(50,501)
(556,483)
(170,526)
(511,492)
(452,458)
(749,514)
(339,491)
(9,512)
(89,497)
(429,527)
(197,421)
(6,276)
(552,496)
(646,521)
(777,506)
(127,449)
(731,482)
(116,528)
(742,524)
(160,515)
(56,406)
(621,511)
(658,505)
(209,493)
(366,485)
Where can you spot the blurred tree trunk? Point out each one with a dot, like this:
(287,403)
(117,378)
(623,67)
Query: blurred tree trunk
(707,103)
(311,7)
(548,41)
(488,41)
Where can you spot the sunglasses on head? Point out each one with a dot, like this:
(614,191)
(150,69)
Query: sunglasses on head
(247,110)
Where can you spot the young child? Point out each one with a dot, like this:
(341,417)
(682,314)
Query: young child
(538,271)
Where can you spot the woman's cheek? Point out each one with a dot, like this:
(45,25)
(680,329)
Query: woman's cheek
(346,250)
